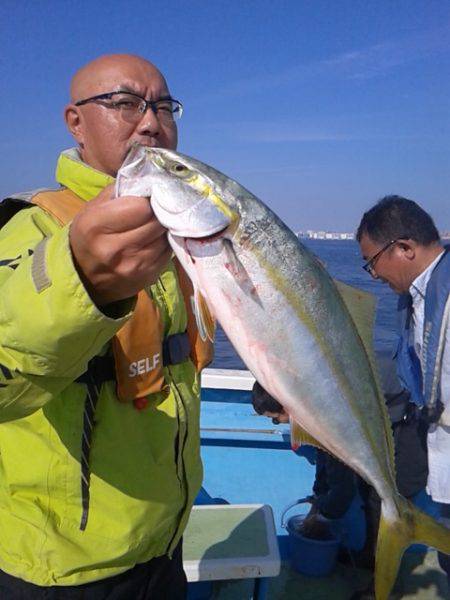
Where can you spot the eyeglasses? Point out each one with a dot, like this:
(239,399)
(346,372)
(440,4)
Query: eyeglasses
(132,106)
(369,266)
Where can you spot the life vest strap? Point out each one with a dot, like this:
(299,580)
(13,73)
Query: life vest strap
(176,349)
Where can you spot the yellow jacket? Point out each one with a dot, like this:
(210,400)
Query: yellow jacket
(145,464)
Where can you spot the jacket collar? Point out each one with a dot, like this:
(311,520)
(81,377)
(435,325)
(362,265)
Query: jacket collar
(73,173)
(418,287)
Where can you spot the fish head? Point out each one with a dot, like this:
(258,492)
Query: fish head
(186,197)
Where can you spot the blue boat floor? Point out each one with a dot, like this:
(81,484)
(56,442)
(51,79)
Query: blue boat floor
(419,577)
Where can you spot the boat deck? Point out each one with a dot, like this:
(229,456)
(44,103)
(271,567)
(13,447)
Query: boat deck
(420,577)
(247,459)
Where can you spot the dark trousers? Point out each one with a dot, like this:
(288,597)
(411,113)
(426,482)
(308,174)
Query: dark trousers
(158,579)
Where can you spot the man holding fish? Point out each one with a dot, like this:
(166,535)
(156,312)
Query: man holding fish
(81,504)
(99,393)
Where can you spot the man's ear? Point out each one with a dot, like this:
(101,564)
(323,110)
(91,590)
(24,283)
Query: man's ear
(74,124)
(408,248)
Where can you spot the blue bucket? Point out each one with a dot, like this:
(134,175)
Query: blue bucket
(315,558)
(200,590)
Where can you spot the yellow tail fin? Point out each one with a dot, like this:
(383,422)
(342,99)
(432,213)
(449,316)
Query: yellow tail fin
(394,537)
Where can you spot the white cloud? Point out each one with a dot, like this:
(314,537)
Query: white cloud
(363,63)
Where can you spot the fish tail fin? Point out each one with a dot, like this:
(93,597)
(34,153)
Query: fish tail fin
(394,537)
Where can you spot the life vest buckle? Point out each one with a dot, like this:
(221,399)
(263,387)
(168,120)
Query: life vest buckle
(176,348)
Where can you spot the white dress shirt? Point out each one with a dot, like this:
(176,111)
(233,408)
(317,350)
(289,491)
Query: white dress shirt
(438,485)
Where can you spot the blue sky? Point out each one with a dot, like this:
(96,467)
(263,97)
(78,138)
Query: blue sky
(318,107)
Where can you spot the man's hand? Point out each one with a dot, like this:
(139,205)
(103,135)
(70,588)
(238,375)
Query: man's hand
(118,246)
(316,527)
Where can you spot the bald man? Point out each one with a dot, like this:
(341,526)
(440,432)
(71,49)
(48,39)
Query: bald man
(99,394)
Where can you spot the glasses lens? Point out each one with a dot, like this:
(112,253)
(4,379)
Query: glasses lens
(130,106)
(370,265)
(168,110)
(177,109)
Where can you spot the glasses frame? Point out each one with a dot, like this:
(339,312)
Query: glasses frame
(369,266)
(146,104)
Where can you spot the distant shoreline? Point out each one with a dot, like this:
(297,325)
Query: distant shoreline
(345,237)
(327,236)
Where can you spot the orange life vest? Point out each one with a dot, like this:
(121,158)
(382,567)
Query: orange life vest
(142,335)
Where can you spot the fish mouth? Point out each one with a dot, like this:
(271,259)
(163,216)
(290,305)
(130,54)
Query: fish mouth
(147,143)
(209,238)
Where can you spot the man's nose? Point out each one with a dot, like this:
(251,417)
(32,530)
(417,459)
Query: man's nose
(149,123)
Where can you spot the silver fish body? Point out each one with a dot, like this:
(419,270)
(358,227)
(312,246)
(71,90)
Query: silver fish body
(284,315)
(277,305)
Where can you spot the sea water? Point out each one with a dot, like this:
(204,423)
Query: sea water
(343,261)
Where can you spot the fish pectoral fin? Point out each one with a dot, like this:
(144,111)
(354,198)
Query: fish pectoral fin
(300,436)
(235,267)
(394,537)
(206,324)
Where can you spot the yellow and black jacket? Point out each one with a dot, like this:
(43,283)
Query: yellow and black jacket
(62,522)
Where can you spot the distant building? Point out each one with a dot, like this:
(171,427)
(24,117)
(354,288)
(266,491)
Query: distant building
(325,235)
(334,235)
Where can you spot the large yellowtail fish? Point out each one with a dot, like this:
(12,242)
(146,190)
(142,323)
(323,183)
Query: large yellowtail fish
(290,324)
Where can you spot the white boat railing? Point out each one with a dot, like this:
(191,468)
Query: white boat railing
(227,379)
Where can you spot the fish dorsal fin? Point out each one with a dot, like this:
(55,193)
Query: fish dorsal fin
(300,437)
(205,323)
(361,306)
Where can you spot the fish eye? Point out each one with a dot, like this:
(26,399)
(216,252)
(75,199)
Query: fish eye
(179,169)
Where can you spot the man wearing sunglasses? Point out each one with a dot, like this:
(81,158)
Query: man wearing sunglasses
(99,394)
(402,247)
